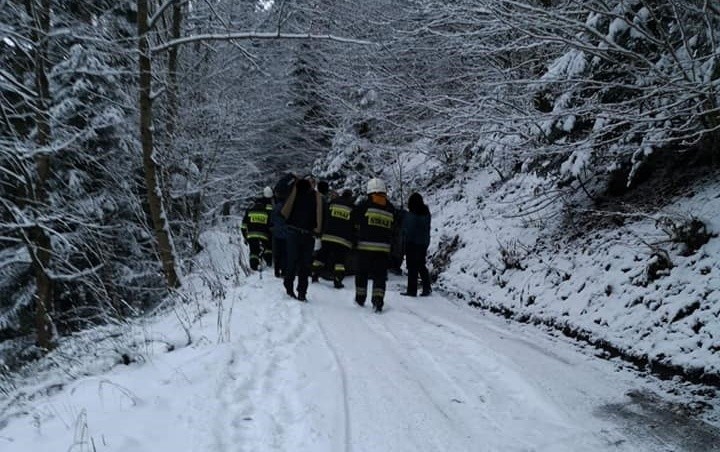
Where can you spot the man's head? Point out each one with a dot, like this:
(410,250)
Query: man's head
(323,187)
(303,185)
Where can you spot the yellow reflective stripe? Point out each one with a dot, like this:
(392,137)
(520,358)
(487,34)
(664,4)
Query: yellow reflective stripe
(374,246)
(361,291)
(258,217)
(340,211)
(379,218)
(377,210)
(339,268)
(336,239)
(380,212)
(257,235)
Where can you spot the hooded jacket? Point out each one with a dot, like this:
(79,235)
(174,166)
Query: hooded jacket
(416,227)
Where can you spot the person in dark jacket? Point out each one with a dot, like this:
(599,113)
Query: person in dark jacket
(397,248)
(279,237)
(279,228)
(256,229)
(284,186)
(373,219)
(336,238)
(303,214)
(416,234)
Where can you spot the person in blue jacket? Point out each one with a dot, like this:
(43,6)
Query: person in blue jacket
(416,236)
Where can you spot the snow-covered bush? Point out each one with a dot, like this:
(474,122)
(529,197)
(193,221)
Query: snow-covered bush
(689,231)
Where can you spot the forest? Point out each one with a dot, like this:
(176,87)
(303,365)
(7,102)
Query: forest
(129,128)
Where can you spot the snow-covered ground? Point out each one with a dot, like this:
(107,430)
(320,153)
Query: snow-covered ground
(585,279)
(265,372)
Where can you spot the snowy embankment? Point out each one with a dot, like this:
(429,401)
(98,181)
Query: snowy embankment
(241,367)
(587,281)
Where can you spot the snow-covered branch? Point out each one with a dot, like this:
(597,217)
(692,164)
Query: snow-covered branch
(152,20)
(253,35)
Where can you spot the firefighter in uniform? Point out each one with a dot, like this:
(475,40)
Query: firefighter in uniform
(374,221)
(256,229)
(336,238)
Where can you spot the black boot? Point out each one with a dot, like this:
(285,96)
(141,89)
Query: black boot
(360,300)
(377,304)
(408,294)
(289,288)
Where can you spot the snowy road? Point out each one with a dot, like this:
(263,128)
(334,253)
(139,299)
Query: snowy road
(428,374)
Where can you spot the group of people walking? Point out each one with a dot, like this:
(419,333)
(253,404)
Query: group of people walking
(282,226)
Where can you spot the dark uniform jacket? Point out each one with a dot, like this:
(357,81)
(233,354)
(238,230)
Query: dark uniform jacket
(374,223)
(338,226)
(416,228)
(256,222)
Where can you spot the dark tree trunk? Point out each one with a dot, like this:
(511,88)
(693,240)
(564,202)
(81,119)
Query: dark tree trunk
(38,241)
(154,193)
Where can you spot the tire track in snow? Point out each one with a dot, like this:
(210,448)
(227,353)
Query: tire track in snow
(449,325)
(422,349)
(347,433)
(589,436)
(506,387)
(512,403)
(456,420)
(278,411)
(258,412)
(403,362)
(227,381)
(389,408)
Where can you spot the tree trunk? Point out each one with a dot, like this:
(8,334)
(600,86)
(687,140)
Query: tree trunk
(40,249)
(38,241)
(172,89)
(154,193)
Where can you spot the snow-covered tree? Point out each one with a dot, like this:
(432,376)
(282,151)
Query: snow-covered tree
(635,78)
(69,193)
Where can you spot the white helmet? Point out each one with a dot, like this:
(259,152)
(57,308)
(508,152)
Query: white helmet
(376,185)
(268,192)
